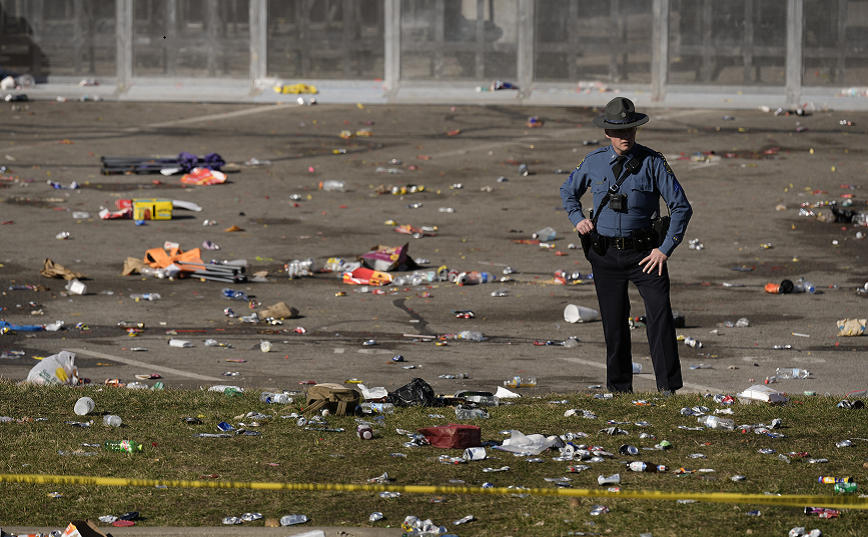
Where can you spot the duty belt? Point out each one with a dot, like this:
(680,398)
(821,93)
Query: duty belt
(619,243)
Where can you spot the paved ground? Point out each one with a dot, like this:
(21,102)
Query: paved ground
(734,201)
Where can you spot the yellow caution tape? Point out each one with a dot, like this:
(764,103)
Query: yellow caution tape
(850,502)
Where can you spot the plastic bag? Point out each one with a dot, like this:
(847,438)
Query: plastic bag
(373,393)
(57,369)
(533,444)
(417,392)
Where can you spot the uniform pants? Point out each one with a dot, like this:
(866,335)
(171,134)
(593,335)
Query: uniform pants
(612,274)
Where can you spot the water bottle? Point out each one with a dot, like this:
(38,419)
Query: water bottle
(234,295)
(470,413)
(291,520)
(545,234)
(147,296)
(639,466)
(378,408)
(111,421)
(128,446)
(473,278)
(804,286)
(714,422)
(275,398)
(471,335)
(791,373)
(332,185)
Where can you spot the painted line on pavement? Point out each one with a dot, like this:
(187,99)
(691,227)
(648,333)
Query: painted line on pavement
(129,361)
(697,387)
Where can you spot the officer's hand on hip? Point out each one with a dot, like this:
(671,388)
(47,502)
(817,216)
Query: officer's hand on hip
(655,259)
(585,226)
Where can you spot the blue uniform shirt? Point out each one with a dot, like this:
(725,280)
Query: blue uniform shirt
(644,187)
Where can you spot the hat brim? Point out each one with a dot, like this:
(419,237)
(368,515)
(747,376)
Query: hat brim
(603,124)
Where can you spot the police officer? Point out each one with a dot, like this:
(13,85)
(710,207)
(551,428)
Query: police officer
(626,241)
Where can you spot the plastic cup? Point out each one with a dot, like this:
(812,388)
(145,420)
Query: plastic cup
(84,406)
(580,314)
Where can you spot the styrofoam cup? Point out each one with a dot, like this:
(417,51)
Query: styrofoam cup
(77,288)
(84,406)
(580,314)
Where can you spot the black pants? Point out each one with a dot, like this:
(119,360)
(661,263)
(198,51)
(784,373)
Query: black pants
(612,274)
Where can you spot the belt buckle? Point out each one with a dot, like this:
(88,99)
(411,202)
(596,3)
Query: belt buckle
(620,243)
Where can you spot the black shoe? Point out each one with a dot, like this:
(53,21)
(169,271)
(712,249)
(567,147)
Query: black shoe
(668,393)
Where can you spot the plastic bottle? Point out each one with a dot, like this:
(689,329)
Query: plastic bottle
(638,466)
(147,296)
(714,422)
(332,185)
(275,398)
(791,373)
(472,278)
(545,234)
(378,408)
(122,445)
(470,413)
(235,295)
(111,421)
(472,336)
(804,286)
(291,520)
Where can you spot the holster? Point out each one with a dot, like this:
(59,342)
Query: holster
(659,229)
(594,240)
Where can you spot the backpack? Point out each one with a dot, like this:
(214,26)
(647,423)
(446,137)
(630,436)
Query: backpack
(339,400)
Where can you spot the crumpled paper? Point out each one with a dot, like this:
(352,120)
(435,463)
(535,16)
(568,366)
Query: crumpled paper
(54,270)
(851,327)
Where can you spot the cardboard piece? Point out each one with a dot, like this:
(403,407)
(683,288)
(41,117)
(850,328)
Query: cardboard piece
(453,436)
(82,528)
(132,266)
(364,276)
(387,258)
(279,311)
(51,269)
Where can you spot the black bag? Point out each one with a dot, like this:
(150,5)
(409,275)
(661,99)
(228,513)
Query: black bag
(417,392)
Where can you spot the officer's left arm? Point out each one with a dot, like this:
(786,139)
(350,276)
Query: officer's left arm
(676,200)
(679,209)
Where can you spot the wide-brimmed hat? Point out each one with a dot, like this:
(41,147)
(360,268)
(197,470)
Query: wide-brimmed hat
(620,114)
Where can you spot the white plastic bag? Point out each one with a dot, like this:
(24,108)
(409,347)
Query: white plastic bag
(373,393)
(58,369)
(533,444)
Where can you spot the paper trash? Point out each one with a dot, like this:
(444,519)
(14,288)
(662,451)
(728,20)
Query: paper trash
(758,392)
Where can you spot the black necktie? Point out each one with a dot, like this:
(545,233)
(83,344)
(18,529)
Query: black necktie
(618,166)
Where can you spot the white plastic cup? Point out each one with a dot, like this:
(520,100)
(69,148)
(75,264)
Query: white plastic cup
(637,368)
(111,420)
(265,346)
(580,314)
(84,406)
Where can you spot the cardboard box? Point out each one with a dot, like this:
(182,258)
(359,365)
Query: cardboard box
(152,209)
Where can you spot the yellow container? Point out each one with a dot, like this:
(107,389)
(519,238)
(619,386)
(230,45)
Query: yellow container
(152,209)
